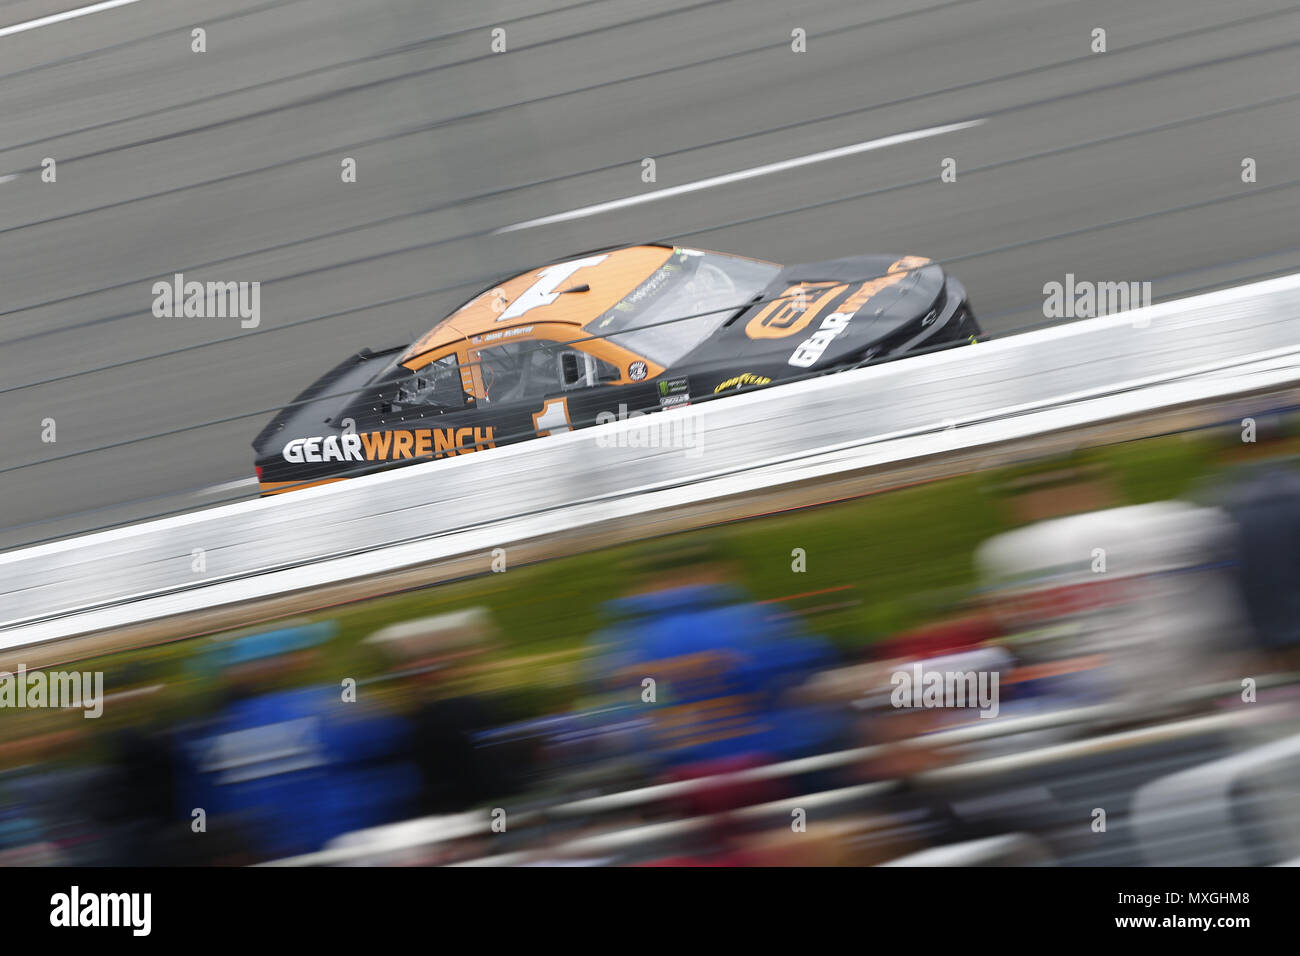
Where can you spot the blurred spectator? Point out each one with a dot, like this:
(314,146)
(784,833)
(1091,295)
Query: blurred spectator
(722,790)
(723,670)
(28,834)
(1259,488)
(136,784)
(457,769)
(919,809)
(1144,587)
(946,636)
(282,768)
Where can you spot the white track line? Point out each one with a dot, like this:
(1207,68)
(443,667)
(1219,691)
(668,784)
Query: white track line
(60,17)
(752,173)
(7,179)
(226,486)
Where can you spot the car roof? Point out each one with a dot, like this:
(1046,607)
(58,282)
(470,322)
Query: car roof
(539,296)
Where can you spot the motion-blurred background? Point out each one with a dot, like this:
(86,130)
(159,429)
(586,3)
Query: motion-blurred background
(729,696)
(719,697)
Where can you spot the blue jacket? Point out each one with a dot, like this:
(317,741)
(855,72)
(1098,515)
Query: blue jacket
(299,766)
(721,667)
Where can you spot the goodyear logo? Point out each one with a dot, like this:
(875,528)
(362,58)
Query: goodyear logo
(740,381)
(390,446)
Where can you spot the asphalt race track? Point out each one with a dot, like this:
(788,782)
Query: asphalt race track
(225,165)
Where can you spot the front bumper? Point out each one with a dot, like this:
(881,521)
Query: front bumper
(953,323)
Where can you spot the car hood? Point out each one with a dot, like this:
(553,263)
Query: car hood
(883,295)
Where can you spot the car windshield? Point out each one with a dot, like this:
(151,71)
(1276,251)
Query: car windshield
(682,304)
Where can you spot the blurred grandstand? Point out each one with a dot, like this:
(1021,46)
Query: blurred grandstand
(1147,705)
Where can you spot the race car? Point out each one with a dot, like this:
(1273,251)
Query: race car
(636,329)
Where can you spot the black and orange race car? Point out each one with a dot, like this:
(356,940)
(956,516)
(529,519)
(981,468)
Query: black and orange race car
(637,329)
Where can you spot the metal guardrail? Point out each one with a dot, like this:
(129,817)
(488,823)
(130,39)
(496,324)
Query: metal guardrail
(427,831)
(1019,848)
(430,830)
(1209,346)
(826,804)
(1188,816)
(373,845)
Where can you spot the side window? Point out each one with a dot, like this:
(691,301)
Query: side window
(582,370)
(524,371)
(437,384)
(519,371)
(598,370)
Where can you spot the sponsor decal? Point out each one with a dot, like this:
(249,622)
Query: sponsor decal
(796,307)
(390,446)
(554,417)
(742,380)
(674,392)
(636,371)
(786,316)
(496,336)
(646,290)
(547,287)
(811,348)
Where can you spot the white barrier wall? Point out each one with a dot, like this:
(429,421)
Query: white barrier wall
(1194,349)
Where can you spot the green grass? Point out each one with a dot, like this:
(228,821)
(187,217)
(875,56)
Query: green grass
(896,559)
